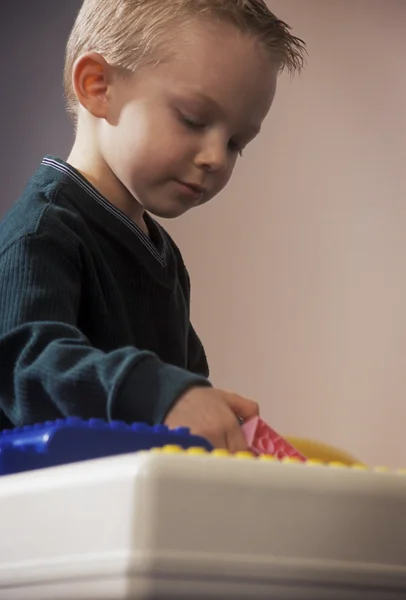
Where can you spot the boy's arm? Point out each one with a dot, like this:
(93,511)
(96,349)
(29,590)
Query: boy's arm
(196,356)
(197,360)
(48,368)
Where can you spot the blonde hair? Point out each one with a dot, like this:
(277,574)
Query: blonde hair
(127,32)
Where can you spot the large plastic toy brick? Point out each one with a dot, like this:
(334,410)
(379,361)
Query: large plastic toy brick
(262,439)
(73,439)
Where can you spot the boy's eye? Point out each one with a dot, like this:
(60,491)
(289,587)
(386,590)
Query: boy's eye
(195,124)
(192,123)
(235,147)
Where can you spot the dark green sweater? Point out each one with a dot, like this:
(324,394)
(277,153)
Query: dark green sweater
(94,314)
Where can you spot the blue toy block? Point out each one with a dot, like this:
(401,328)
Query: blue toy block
(71,440)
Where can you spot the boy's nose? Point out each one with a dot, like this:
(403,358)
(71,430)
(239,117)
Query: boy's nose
(213,157)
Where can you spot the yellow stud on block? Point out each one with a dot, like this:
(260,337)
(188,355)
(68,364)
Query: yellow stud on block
(244,455)
(222,452)
(267,457)
(315,462)
(359,467)
(172,449)
(291,460)
(196,451)
(381,469)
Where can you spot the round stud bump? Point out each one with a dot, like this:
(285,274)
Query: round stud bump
(220,452)
(171,449)
(244,455)
(291,460)
(196,451)
(315,462)
(268,458)
(359,467)
(381,469)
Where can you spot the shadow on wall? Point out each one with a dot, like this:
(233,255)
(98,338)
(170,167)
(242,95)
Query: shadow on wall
(298,267)
(33,121)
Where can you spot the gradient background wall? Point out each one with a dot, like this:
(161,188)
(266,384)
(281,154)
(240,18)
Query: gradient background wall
(298,268)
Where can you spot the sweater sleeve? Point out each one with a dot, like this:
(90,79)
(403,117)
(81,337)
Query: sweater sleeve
(197,360)
(48,368)
(196,357)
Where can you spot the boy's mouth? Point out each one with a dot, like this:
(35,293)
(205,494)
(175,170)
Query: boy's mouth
(192,188)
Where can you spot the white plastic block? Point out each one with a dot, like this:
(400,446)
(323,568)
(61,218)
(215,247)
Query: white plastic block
(157,526)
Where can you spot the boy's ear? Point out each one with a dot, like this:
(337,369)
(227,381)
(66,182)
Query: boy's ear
(91,79)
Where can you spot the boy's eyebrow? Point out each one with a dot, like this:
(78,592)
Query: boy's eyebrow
(253,130)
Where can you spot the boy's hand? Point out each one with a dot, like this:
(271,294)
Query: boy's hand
(213,414)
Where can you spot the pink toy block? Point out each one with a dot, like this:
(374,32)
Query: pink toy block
(262,439)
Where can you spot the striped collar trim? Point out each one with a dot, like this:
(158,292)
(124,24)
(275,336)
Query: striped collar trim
(66,169)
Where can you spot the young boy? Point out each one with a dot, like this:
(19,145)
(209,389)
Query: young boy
(94,303)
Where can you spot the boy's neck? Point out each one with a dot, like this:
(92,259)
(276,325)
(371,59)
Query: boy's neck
(86,159)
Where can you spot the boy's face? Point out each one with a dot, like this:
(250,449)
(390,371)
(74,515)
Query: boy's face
(175,130)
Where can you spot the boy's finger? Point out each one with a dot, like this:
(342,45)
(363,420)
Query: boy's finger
(242,407)
(235,439)
(218,440)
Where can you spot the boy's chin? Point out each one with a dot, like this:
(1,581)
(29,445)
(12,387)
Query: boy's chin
(168,212)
